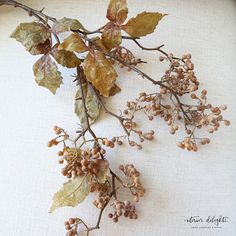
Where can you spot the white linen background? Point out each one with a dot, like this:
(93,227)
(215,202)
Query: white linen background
(179,184)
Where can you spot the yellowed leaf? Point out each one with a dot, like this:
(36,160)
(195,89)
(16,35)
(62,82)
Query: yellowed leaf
(143,24)
(100,72)
(99,42)
(73,43)
(117,11)
(66,58)
(72,193)
(111,36)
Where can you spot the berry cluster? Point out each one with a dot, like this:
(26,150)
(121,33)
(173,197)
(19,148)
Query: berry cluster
(79,162)
(125,55)
(101,200)
(180,76)
(123,208)
(133,183)
(132,127)
(96,77)
(61,136)
(203,115)
(71,226)
(103,193)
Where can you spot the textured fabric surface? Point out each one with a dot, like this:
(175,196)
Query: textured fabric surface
(179,184)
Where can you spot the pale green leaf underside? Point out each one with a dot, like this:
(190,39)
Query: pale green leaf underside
(67,24)
(72,193)
(30,35)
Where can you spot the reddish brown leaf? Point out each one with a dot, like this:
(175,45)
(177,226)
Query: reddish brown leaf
(117,11)
(114,90)
(42,48)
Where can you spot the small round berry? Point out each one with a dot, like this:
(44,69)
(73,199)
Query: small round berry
(71,221)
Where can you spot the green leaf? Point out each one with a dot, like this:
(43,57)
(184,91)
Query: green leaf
(103,166)
(31,35)
(67,24)
(92,105)
(66,58)
(72,192)
(100,72)
(73,43)
(46,73)
(117,11)
(143,24)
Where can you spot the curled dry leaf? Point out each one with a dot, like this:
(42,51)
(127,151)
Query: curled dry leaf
(111,36)
(66,58)
(143,24)
(117,11)
(100,72)
(92,106)
(66,24)
(72,193)
(46,73)
(73,43)
(33,36)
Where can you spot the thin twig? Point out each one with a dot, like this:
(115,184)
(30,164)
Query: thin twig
(143,75)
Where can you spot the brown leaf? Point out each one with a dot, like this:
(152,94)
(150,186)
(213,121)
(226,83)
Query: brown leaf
(73,43)
(46,73)
(42,48)
(99,72)
(111,36)
(114,90)
(143,24)
(66,58)
(117,11)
